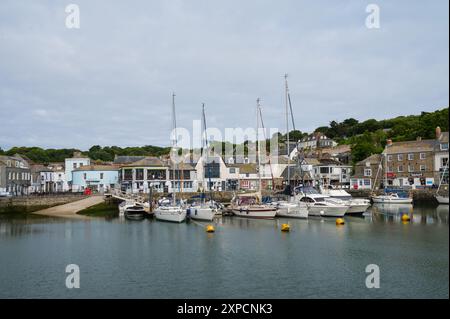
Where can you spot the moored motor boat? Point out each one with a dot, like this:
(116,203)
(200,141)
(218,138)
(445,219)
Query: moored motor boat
(134,212)
(319,204)
(391,198)
(356,205)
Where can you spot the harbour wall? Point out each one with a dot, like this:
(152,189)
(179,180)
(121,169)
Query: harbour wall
(28,204)
(419,195)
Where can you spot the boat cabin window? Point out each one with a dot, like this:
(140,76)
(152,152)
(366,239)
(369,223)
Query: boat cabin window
(307,200)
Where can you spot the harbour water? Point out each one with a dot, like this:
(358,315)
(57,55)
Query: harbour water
(243,259)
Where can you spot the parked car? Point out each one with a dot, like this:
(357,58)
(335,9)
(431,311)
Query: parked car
(5,194)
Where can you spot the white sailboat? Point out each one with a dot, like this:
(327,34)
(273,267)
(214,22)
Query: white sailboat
(172,212)
(441,199)
(289,208)
(249,205)
(204,210)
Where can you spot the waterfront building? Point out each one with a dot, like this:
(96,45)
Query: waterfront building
(78,160)
(212,175)
(441,156)
(48,178)
(366,171)
(99,178)
(15,175)
(299,174)
(183,178)
(410,163)
(140,175)
(332,172)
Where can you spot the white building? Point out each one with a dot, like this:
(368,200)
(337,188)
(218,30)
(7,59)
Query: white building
(330,172)
(441,156)
(77,161)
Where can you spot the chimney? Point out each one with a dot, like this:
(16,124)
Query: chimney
(389,142)
(419,138)
(438,132)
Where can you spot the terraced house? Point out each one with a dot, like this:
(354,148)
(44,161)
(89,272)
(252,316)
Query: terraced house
(15,175)
(416,164)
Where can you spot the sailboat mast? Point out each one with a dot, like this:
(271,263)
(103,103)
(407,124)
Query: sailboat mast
(385,167)
(287,127)
(258,107)
(174,147)
(206,153)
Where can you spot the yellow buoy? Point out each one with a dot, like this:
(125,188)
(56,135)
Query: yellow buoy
(340,221)
(285,227)
(406,218)
(210,229)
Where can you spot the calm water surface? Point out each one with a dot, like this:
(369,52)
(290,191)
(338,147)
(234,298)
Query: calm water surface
(242,259)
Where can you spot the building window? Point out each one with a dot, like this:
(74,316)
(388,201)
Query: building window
(422,156)
(212,170)
(156,174)
(139,174)
(84,176)
(444,146)
(74,165)
(232,170)
(390,169)
(410,168)
(410,157)
(324,170)
(423,168)
(444,162)
(400,157)
(368,172)
(367,182)
(128,175)
(389,158)
(400,168)
(101,175)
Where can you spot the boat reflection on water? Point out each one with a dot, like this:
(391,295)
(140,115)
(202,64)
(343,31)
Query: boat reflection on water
(442,213)
(393,209)
(418,215)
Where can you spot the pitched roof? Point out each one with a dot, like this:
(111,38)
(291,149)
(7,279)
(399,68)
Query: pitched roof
(147,161)
(125,159)
(411,146)
(97,168)
(337,149)
(374,159)
(295,173)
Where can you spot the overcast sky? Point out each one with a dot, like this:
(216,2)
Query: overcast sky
(110,82)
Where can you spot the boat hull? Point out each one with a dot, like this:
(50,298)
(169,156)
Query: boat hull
(383,200)
(292,211)
(442,199)
(174,216)
(357,208)
(254,212)
(327,211)
(202,213)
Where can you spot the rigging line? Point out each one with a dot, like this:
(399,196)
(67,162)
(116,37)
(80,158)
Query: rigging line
(292,113)
(265,138)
